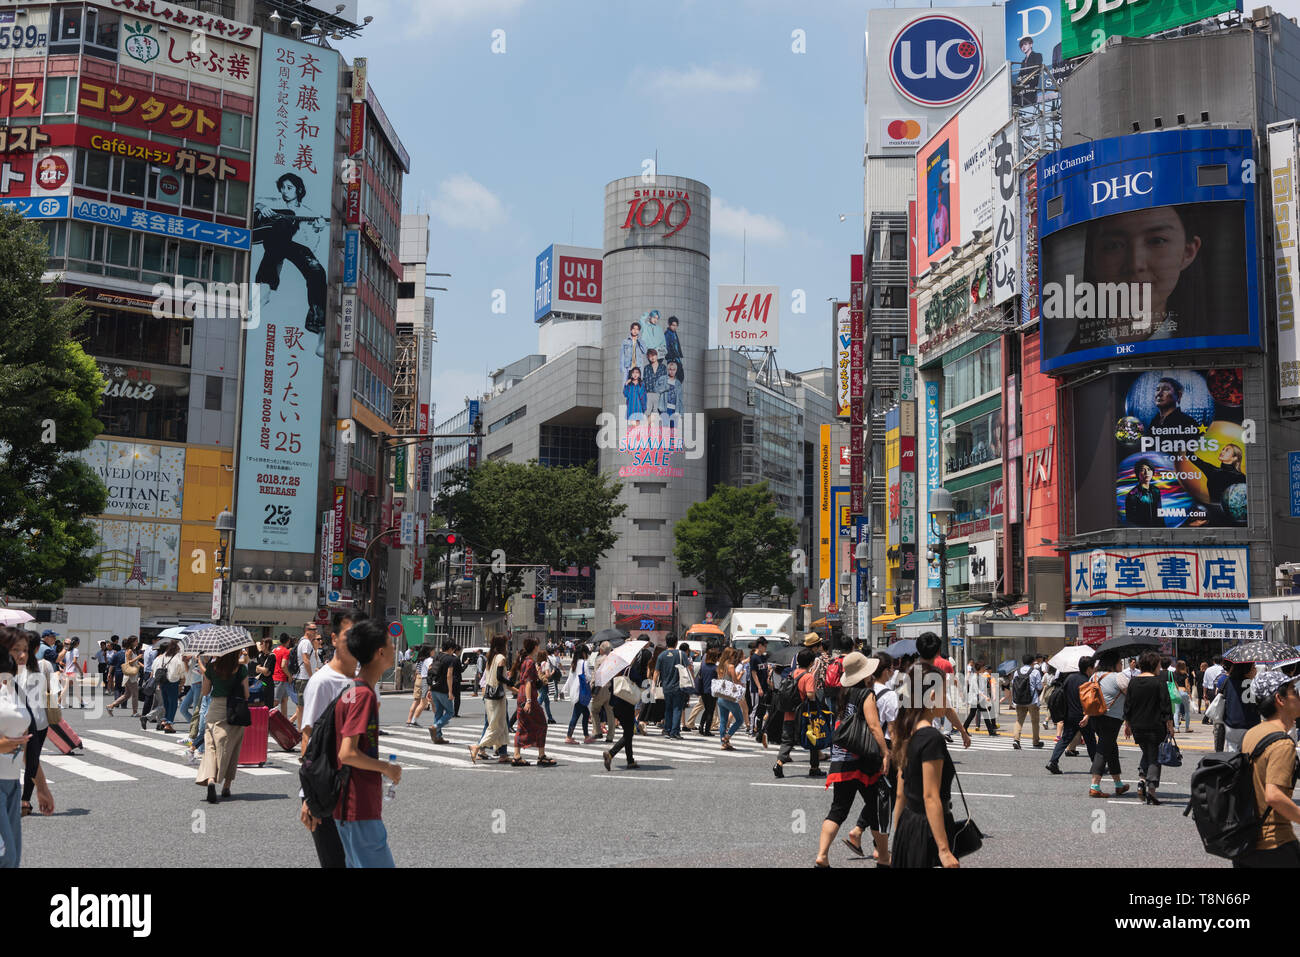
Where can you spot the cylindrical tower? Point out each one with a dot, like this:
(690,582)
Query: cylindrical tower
(654,336)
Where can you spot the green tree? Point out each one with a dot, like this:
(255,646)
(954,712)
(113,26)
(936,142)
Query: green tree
(534,515)
(735,543)
(50,392)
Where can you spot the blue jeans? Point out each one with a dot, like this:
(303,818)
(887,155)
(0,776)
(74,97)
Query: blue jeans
(1184,708)
(443,710)
(545,698)
(728,708)
(365,843)
(171,691)
(203,723)
(11,833)
(580,710)
(674,701)
(185,708)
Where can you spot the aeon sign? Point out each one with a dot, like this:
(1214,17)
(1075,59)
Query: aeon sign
(653,207)
(936,60)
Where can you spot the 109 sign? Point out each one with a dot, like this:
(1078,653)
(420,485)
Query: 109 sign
(649,208)
(936,60)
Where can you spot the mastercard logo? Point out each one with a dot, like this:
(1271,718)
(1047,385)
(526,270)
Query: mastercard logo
(903,130)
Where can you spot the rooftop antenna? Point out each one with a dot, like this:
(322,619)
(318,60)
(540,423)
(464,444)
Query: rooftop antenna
(744,254)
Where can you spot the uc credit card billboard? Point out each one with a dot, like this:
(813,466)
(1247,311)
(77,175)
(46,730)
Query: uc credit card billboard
(284,353)
(1147,246)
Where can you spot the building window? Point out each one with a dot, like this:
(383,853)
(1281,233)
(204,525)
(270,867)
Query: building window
(972,376)
(212,393)
(514,416)
(60,95)
(973,443)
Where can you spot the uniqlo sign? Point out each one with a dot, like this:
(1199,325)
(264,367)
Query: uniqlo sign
(579,280)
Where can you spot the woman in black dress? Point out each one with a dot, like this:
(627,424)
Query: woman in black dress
(1149,718)
(921,752)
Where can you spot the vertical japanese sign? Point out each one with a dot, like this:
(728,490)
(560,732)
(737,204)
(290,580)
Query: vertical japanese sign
(1283,160)
(932,469)
(1006,203)
(857,377)
(824,504)
(843,358)
(284,354)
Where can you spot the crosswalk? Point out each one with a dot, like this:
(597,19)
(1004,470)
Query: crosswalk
(113,756)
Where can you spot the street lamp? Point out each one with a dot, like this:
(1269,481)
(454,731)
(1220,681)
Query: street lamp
(776,596)
(941,512)
(225,526)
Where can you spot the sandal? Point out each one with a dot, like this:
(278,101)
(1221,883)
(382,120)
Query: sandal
(856,849)
(519,763)
(27,808)
(546,762)
(473,754)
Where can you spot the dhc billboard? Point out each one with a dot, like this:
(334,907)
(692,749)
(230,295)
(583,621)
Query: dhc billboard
(1148,246)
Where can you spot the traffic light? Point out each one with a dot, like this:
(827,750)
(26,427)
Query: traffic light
(444,539)
(690,593)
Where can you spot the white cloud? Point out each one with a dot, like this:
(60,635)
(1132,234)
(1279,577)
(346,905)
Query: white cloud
(464,203)
(699,80)
(737,222)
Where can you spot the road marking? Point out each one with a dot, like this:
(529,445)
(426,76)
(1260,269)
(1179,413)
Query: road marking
(985,774)
(627,777)
(475,767)
(976,794)
(171,748)
(819,787)
(169,768)
(79,767)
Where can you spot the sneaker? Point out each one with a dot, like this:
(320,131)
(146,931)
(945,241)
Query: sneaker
(816,773)
(1097,793)
(1122,789)
(1016,745)
(191,758)
(777,770)
(1053,768)
(1038,744)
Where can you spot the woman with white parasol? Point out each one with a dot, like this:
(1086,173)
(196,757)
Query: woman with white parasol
(625,695)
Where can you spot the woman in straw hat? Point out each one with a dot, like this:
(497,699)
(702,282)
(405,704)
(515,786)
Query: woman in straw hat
(853,774)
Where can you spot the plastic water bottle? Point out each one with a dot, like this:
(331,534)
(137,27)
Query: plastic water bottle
(392,788)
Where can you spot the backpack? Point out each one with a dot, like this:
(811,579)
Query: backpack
(1223,800)
(292,664)
(816,725)
(834,672)
(1022,692)
(1053,698)
(788,698)
(1092,700)
(323,779)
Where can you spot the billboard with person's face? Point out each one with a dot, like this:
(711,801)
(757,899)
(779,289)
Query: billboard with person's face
(1147,246)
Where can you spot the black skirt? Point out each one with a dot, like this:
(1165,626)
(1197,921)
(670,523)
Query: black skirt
(913,842)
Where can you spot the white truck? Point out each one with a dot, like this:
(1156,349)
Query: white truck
(747,625)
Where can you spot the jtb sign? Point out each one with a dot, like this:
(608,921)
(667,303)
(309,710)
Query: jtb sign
(936,60)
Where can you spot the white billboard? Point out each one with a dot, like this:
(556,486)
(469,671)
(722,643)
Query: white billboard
(980,119)
(749,316)
(922,64)
(1006,210)
(1283,164)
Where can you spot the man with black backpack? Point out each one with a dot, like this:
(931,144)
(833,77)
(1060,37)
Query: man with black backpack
(1025,689)
(1273,768)
(790,697)
(325,686)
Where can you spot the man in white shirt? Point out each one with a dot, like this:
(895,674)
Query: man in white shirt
(325,685)
(308,664)
(1208,682)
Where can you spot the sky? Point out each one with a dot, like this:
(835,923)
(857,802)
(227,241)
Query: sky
(511,151)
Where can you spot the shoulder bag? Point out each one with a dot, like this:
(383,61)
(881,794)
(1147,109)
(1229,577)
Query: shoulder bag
(237,712)
(964,837)
(492,689)
(626,689)
(131,669)
(1169,755)
(855,737)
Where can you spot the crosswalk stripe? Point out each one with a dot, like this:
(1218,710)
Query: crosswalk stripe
(83,768)
(169,768)
(171,748)
(462,737)
(422,756)
(580,754)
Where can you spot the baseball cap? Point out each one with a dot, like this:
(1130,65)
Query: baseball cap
(1269,683)
(47,633)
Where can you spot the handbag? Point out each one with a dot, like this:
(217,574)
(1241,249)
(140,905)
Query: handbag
(584,686)
(626,689)
(1169,755)
(237,712)
(855,737)
(1214,713)
(685,680)
(816,726)
(964,837)
(131,670)
(729,690)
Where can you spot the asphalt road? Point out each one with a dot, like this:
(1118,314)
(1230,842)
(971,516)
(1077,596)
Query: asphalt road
(688,804)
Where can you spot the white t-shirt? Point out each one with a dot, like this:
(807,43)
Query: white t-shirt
(886,705)
(35,685)
(308,659)
(14,722)
(70,661)
(1211,676)
(322,688)
(424,667)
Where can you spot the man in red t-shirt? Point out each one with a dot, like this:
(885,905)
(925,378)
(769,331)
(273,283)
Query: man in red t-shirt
(790,728)
(356,726)
(282,679)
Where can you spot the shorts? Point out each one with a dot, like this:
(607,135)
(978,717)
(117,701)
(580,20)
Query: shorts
(283,690)
(419,688)
(300,686)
